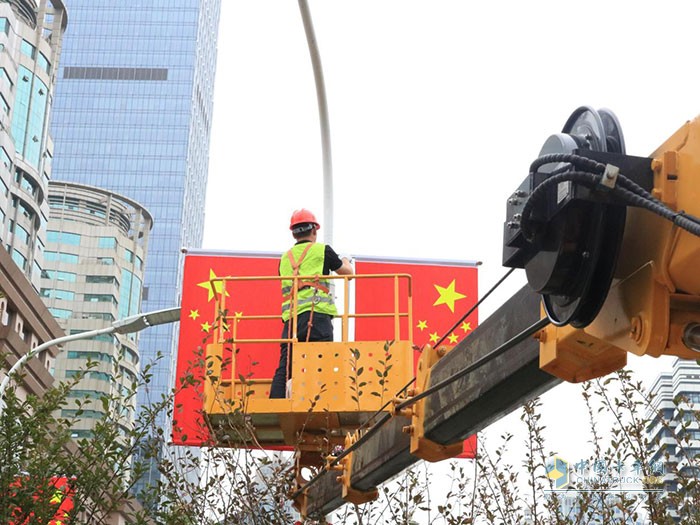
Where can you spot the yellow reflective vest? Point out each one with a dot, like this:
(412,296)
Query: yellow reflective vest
(306,259)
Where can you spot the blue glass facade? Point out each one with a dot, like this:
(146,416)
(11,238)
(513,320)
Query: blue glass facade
(132,114)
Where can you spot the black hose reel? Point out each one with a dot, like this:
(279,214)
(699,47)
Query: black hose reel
(568,237)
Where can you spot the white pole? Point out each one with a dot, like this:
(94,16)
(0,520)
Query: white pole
(323,118)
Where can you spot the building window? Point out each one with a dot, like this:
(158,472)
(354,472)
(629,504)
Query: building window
(101,279)
(28,49)
(59,275)
(4,77)
(25,183)
(21,233)
(106,242)
(130,294)
(90,356)
(54,293)
(5,25)
(28,116)
(103,376)
(43,62)
(63,238)
(82,413)
(20,260)
(100,298)
(61,313)
(23,207)
(104,316)
(130,355)
(4,157)
(108,261)
(88,394)
(60,257)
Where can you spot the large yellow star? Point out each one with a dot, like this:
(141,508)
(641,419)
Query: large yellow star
(194,314)
(453,338)
(448,295)
(422,325)
(217,287)
(466,326)
(434,337)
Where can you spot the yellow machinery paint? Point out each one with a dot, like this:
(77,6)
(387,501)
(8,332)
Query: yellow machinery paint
(336,386)
(655,293)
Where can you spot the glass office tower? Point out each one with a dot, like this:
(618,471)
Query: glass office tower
(132,114)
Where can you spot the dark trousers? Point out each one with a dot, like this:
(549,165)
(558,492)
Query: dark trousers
(321,330)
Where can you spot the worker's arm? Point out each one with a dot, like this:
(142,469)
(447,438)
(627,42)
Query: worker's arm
(346,268)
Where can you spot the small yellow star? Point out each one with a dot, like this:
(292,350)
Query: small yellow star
(453,338)
(434,337)
(194,314)
(448,295)
(466,327)
(206,327)
(422,325)
(238,316)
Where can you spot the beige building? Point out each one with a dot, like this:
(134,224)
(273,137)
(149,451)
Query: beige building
(31,33)
(95,253)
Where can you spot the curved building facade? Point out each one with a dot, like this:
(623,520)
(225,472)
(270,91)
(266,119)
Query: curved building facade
(94,264)
(31,33)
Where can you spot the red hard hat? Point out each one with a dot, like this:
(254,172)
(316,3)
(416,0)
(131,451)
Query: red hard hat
(303,216)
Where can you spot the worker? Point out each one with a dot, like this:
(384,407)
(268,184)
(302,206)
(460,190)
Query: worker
(315,306)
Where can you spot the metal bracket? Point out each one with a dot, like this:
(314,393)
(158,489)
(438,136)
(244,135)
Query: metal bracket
(421,446)
(610,176)
(350,494)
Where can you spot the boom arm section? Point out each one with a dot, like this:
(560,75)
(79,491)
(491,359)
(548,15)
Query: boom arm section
(471,403)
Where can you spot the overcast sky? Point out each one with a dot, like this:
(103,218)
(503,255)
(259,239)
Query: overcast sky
(437,108)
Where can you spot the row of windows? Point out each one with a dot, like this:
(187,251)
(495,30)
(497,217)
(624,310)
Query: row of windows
(59,275)
(63,237)
(60,313)
(67,295)
(64,313)
(75,238)
(60,257)
(92,374)
(25,181)
(90,356)
(74,258)
(90,414)
(28,116)
(89,394)
(115,73)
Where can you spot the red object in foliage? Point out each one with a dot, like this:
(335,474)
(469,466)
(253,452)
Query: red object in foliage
(60,494)
(443,291)
(198,319)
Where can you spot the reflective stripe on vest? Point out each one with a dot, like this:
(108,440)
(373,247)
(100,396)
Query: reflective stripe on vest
(316,291)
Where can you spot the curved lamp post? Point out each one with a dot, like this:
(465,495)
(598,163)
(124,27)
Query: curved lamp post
(127,325)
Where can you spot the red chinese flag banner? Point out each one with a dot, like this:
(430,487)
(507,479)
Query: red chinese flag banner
(199,319)
(442,293)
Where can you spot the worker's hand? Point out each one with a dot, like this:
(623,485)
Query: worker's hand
(346,268)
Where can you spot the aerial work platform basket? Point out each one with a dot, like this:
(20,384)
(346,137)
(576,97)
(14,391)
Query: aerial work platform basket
(336,387)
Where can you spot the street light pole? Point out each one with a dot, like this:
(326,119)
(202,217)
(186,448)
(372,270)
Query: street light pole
(127,325)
